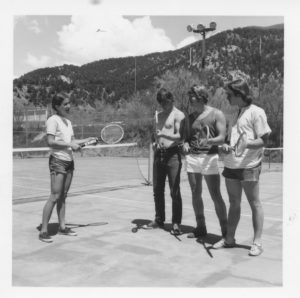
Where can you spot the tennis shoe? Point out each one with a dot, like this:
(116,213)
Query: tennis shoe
(67,232)
(155,225)
(176,230)
(199,231)
(223,244)
(255,250)
(45,237)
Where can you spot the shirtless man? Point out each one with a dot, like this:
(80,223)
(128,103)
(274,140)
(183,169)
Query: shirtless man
(167,160)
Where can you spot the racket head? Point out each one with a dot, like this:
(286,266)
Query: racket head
(206,132)
(241,145)
(112,133)
(205,135)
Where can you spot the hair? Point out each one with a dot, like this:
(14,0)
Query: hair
(240,87)
(200,92)
(57,100)
(164,95)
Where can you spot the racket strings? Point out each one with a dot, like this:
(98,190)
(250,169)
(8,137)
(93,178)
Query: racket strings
(112,133)
(241,144)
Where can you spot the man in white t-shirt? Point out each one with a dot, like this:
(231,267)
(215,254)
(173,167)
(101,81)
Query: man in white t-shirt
(242,173)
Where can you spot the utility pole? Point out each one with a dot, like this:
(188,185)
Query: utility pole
(202,30)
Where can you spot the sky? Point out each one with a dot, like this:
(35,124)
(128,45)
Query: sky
(53,32)
(52,40)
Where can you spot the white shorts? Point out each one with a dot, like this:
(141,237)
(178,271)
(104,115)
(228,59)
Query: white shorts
(205,164)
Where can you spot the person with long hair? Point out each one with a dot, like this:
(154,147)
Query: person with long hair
(60,139)
(242,172)
(201,151)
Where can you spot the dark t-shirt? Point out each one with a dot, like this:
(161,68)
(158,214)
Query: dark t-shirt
(197,129)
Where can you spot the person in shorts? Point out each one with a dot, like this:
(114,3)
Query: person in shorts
(167,160)
(60,139)
(242,173)
(202,157)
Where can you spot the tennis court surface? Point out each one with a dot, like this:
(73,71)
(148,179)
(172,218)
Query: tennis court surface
(107,199)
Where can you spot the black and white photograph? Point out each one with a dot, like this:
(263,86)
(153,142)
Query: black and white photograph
(149,148)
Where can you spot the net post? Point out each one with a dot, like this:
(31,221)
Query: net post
(150,164)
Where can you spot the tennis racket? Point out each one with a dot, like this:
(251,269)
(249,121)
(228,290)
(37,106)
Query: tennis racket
(241,145)
(112,133)
(200,142)
(140,224)
(138,227)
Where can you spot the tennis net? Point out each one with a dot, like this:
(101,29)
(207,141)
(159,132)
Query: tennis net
(98,169)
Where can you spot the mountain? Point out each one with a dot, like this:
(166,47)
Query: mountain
(114,79)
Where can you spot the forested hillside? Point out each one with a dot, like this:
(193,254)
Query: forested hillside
(253,52)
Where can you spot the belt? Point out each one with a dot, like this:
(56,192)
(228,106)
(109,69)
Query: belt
(173,149)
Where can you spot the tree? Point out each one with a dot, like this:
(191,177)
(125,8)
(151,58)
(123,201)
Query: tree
(271,100)
(178,82)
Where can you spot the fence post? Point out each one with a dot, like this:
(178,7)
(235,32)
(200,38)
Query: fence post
(26,128)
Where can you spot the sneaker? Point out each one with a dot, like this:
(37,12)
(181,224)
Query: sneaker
(199,231)
(176,230)
(45,237)
(155,225)
(223,244)
(67,232)
(255,250)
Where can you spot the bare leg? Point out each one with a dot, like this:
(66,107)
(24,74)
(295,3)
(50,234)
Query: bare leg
(61,204)
(251,189)
(213,184)
(57,184)
(195,180)
(234,189)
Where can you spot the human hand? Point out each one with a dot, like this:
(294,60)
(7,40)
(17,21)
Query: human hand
(225,148)
(75,147)
(186,148)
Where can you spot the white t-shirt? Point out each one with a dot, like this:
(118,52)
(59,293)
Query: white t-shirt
(63,132)
(253,121)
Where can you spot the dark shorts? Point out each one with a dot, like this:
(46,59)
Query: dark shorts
(60,166)
(251,174)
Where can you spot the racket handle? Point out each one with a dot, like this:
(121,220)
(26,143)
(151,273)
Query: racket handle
(91,142)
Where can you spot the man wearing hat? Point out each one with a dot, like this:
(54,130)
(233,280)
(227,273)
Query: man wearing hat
(202,157)
(242,173)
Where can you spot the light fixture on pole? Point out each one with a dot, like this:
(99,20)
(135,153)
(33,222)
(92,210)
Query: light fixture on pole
(202,30)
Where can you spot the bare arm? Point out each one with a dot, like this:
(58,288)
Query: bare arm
(221,128)
(82,141)
(258,143)
(52,143)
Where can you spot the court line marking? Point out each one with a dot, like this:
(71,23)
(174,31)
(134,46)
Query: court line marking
(169,205)
(33,188)
(243,201)
(124,189)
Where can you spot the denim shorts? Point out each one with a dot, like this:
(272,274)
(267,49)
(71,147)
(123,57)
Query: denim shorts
(251,174)
(60,166)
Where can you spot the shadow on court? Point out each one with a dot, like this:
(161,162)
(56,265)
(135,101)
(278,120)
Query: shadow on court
(53,227)
(113,255)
